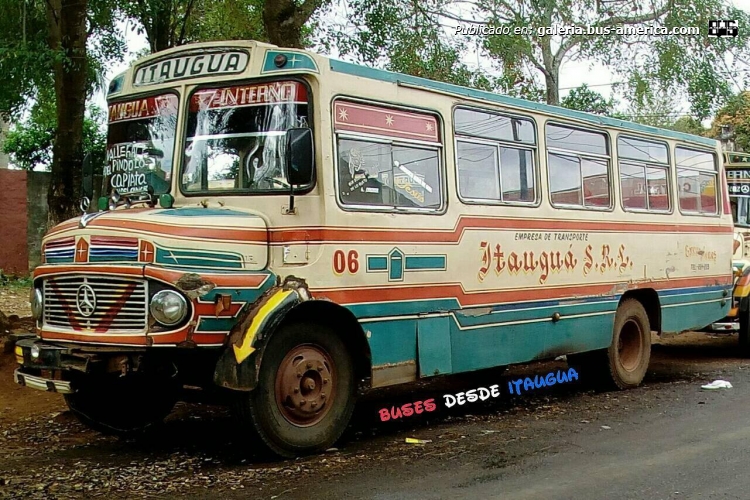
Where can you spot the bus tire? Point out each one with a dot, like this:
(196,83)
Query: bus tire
(623,365)
(305,394)
(123,406)
(630,352)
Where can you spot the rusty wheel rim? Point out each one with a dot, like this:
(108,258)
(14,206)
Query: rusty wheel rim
(305,385)
(629,345)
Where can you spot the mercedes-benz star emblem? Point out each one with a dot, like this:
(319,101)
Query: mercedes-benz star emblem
(86,300)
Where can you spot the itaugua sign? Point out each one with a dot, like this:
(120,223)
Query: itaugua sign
(191,66)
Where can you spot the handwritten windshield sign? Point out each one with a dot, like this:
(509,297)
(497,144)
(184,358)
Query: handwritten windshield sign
(191,66)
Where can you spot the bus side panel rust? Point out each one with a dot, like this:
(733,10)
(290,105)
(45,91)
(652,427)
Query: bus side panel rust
(238,365)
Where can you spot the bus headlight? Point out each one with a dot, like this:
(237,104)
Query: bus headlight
(168,307)
(37,303)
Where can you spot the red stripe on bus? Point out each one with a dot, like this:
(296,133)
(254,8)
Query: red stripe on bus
(450,291)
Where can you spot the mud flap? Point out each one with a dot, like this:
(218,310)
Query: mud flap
(238,365)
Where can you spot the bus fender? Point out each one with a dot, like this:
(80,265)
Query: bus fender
(237,368)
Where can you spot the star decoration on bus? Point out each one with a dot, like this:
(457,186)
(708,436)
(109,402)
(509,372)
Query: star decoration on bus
(294,60)
(343,115)
(429,126)
(389,120)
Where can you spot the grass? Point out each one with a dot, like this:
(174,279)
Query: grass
(14,282)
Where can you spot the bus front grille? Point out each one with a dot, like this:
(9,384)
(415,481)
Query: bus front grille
(94,304)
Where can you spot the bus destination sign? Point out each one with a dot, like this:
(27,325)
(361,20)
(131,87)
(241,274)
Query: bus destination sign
(191,66)
(738,180)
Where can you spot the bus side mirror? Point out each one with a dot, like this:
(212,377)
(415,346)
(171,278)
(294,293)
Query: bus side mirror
(87,182)
(300,157)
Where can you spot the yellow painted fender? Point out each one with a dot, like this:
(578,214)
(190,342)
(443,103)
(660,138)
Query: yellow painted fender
(237,368)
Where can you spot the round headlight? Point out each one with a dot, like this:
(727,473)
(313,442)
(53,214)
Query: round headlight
(168,307)
(37,303)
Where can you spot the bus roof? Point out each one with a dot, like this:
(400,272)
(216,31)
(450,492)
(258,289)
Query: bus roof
(389,76)
(270,51)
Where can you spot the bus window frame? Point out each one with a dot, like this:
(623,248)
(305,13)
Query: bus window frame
(440,147)
(498,143)
(716,171)
(568,152)
(298,190)
(146,95)
(671,173)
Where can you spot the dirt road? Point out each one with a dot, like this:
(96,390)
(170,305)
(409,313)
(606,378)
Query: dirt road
(666,439)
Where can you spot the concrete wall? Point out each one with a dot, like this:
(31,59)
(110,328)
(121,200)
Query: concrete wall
(37,186)
(14,251)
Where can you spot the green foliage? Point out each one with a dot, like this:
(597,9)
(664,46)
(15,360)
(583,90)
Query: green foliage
(689,125)
(689,64)
(25,57)
(409,37)
(736,116)
(585,99)
(29,142)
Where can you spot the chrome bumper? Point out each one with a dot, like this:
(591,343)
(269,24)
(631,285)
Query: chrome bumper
(42,384)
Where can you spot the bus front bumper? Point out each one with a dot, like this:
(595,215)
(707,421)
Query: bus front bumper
(43,366)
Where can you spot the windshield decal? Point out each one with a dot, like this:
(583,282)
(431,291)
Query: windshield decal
(385,121)
(139,109)
(249,95)
(140,143)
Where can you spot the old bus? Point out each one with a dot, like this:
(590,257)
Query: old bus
(737,167)
(292,231)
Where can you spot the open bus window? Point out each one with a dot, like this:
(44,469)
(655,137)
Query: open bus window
(696,181)
(388,175)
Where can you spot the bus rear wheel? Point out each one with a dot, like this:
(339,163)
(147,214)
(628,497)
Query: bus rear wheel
(305,394)
(624,364)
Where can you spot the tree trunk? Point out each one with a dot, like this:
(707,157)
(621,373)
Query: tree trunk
(552,81)
(283,21)
(162,32)
(66,20)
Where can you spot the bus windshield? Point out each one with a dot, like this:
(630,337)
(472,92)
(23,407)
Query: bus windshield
(140,145)
(236,136)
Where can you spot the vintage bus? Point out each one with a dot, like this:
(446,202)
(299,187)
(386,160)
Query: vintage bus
(291,231)
(737,167)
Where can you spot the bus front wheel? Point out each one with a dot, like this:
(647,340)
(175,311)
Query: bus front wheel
(305,394)
(623,365)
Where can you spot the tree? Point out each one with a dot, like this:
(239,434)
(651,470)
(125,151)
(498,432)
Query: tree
(689,125)
(171,23)
(29,143)
(736,116)
(67,37)
(585,99)
(409,37)
(693,64)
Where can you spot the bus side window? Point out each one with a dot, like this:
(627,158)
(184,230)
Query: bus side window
(644,174)
(578,167)
(495,157)
(697,178)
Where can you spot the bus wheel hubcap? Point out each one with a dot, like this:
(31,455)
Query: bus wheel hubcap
(305,385)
